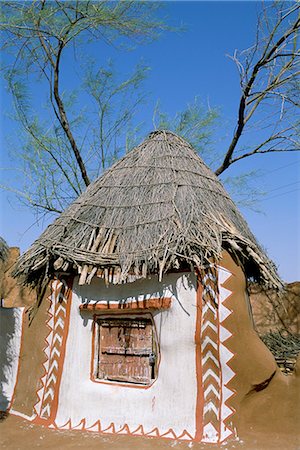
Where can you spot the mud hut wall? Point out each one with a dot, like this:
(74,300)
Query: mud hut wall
(170,401)
(252,362)
(12,292)
(233,359)
(276,313)
(10,342)
(31,359)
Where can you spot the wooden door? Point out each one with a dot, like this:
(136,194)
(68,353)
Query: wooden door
(126,350)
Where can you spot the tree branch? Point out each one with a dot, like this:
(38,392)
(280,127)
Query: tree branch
(64,121)
(268,54)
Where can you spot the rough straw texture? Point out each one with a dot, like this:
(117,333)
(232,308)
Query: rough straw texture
(158,208)
(3,250)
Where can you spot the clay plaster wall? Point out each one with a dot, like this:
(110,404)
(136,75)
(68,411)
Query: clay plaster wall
(235,365)
(31,359)
(12,292)
(273,312)
(253,363)
(170,402)
(10,341)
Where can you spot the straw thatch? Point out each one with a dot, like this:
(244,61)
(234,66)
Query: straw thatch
(3,249)
(158,208)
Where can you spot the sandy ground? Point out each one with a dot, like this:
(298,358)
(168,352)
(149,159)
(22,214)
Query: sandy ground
(16,433)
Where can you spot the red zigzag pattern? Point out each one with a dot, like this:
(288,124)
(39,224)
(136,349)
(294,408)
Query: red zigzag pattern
(55,341)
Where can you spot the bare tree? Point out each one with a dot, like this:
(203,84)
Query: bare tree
(269,82)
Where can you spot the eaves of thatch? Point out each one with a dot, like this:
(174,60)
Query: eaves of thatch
(157,209)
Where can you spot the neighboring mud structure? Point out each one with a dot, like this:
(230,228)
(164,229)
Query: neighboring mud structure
(277,321)
(14,299)
(142,325)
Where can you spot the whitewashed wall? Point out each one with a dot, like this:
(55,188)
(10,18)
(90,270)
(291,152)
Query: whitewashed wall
(10,342)
(170,402)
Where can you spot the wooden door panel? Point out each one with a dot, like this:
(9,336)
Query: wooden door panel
(121,368)
(124,350)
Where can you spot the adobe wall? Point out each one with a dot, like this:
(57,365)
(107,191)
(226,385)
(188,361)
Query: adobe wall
(266,401)
(252,363)
(170,402)
(14,299)
(273,312)
(31,359)
(10,341)
(214,370)
(12,292)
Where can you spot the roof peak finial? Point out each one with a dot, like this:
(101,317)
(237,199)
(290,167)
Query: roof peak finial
(160,131)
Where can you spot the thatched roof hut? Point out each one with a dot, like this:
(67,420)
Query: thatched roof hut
(158,208)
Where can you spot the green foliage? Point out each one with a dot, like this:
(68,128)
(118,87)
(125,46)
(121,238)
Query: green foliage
(116,103)
(51,179)
(243,188)
(199,127)
(66,20)
(65,144)
(195,123)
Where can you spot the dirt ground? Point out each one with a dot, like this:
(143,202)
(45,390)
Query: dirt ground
(19,434)
(269,420)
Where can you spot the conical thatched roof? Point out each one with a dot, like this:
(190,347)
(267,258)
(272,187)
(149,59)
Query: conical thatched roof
(158,208)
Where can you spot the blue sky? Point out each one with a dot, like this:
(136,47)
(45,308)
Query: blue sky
(185,65)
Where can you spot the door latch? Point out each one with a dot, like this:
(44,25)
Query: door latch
(152,358)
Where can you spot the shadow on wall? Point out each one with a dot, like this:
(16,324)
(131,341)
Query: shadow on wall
(138,290)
